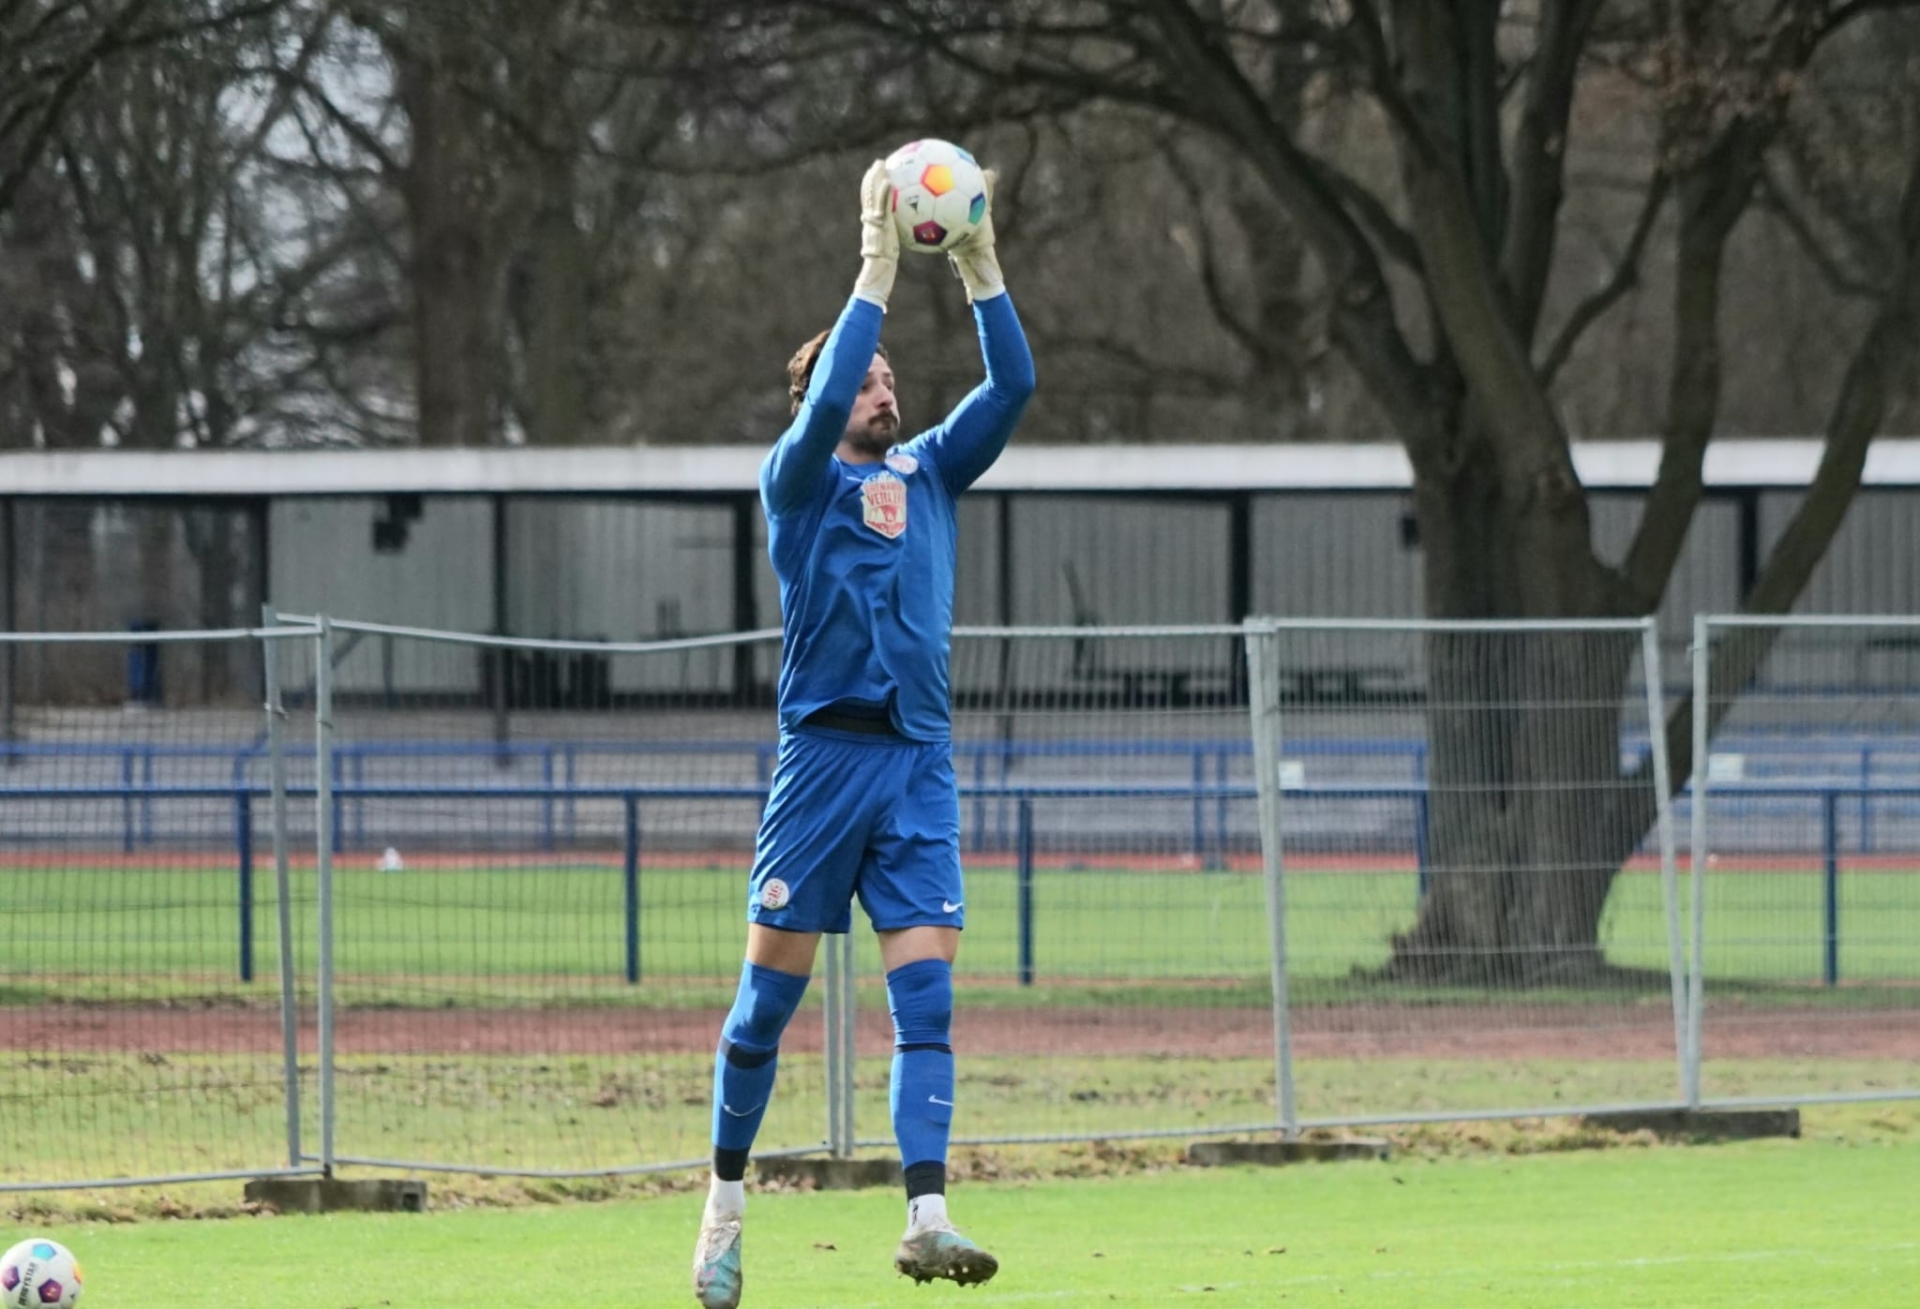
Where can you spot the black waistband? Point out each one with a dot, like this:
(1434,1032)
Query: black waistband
(834,720)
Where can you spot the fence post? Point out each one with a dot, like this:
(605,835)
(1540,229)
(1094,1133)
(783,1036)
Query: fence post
(360,801)
(146,801)
(335,770)
(571,775)
(849,1016)
(1654,677)
(243,840)
(1263,702)
(1866,801)
(630,885)
(546,803)
(837,1009)
(1702,657)
(831,1013)
(1830,863)
(324,762)
(1422,818)
(282,879)
(127,802)
(1223,773)
(1023,891)
(1199,808)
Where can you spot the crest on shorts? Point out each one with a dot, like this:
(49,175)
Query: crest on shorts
(774,895)
(902,463)
(883,504)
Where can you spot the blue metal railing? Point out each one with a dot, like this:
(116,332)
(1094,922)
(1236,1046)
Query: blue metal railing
(1023,798)
(1769,758)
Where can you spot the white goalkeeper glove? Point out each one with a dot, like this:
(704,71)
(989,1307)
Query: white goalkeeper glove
(879,239)
(973,257)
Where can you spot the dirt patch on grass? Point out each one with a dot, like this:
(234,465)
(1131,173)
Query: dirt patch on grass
(1322,1032)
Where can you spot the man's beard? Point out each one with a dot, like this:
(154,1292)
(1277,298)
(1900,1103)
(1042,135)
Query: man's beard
(876,438)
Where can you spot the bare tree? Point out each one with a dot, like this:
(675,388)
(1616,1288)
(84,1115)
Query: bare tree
(1436,281)
(50,49)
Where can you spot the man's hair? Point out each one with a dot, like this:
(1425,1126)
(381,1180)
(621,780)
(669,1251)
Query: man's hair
(800,368)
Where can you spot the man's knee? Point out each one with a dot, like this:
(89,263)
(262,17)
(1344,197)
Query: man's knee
(920,996)
(762,1007)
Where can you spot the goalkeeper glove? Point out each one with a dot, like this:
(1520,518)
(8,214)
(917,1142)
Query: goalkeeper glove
(973,256)
(879,240)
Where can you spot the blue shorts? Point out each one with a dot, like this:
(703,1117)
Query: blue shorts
(849,815)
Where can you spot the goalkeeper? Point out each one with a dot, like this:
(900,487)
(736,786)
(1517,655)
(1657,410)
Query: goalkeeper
(861,527)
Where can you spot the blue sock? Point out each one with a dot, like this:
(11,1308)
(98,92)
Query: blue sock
(749,1054)
(920,995)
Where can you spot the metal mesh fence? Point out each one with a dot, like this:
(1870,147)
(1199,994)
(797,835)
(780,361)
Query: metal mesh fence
(1114,976)
(142,1030)
(1805,881)
(1478,916)
(538,863)
(477,904)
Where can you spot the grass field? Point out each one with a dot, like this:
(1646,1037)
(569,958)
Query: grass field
(1827,1220)
(107,930)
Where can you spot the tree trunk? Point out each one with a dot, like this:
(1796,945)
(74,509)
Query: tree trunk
(1523,734)
(558,340)
(1523,757)
(458,253)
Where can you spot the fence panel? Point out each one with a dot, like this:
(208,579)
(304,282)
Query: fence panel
(1806,870)
(143,1034)
(1113,979)
(1479,920)
(501,884)
(539,856)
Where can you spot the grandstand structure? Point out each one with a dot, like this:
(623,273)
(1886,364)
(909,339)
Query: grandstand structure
(642,543)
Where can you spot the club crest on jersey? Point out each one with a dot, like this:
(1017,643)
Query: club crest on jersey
(883,503)
(903,464)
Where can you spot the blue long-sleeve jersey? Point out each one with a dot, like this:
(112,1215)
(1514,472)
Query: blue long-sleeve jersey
(865,552)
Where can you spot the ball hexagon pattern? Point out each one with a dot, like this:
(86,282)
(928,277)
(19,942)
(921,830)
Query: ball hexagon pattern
(939,195)
(39,1274)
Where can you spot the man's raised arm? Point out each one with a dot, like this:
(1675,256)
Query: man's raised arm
(794,466)
(974,434)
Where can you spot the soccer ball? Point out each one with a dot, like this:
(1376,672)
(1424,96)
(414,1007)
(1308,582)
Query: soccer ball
(939,195)
(39,1274)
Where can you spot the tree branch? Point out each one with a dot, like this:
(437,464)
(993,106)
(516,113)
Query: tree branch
(1884,359)
(1831,266)
(111,38)
(354,130)
(1362,317)
(1461,280)
(1540,156)
(1218,299)
(117,36)
(1713,195)
(1846,13)
(1625,276)
(1395,241)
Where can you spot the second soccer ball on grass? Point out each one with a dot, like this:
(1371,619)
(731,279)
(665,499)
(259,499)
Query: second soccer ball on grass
(39,1274)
